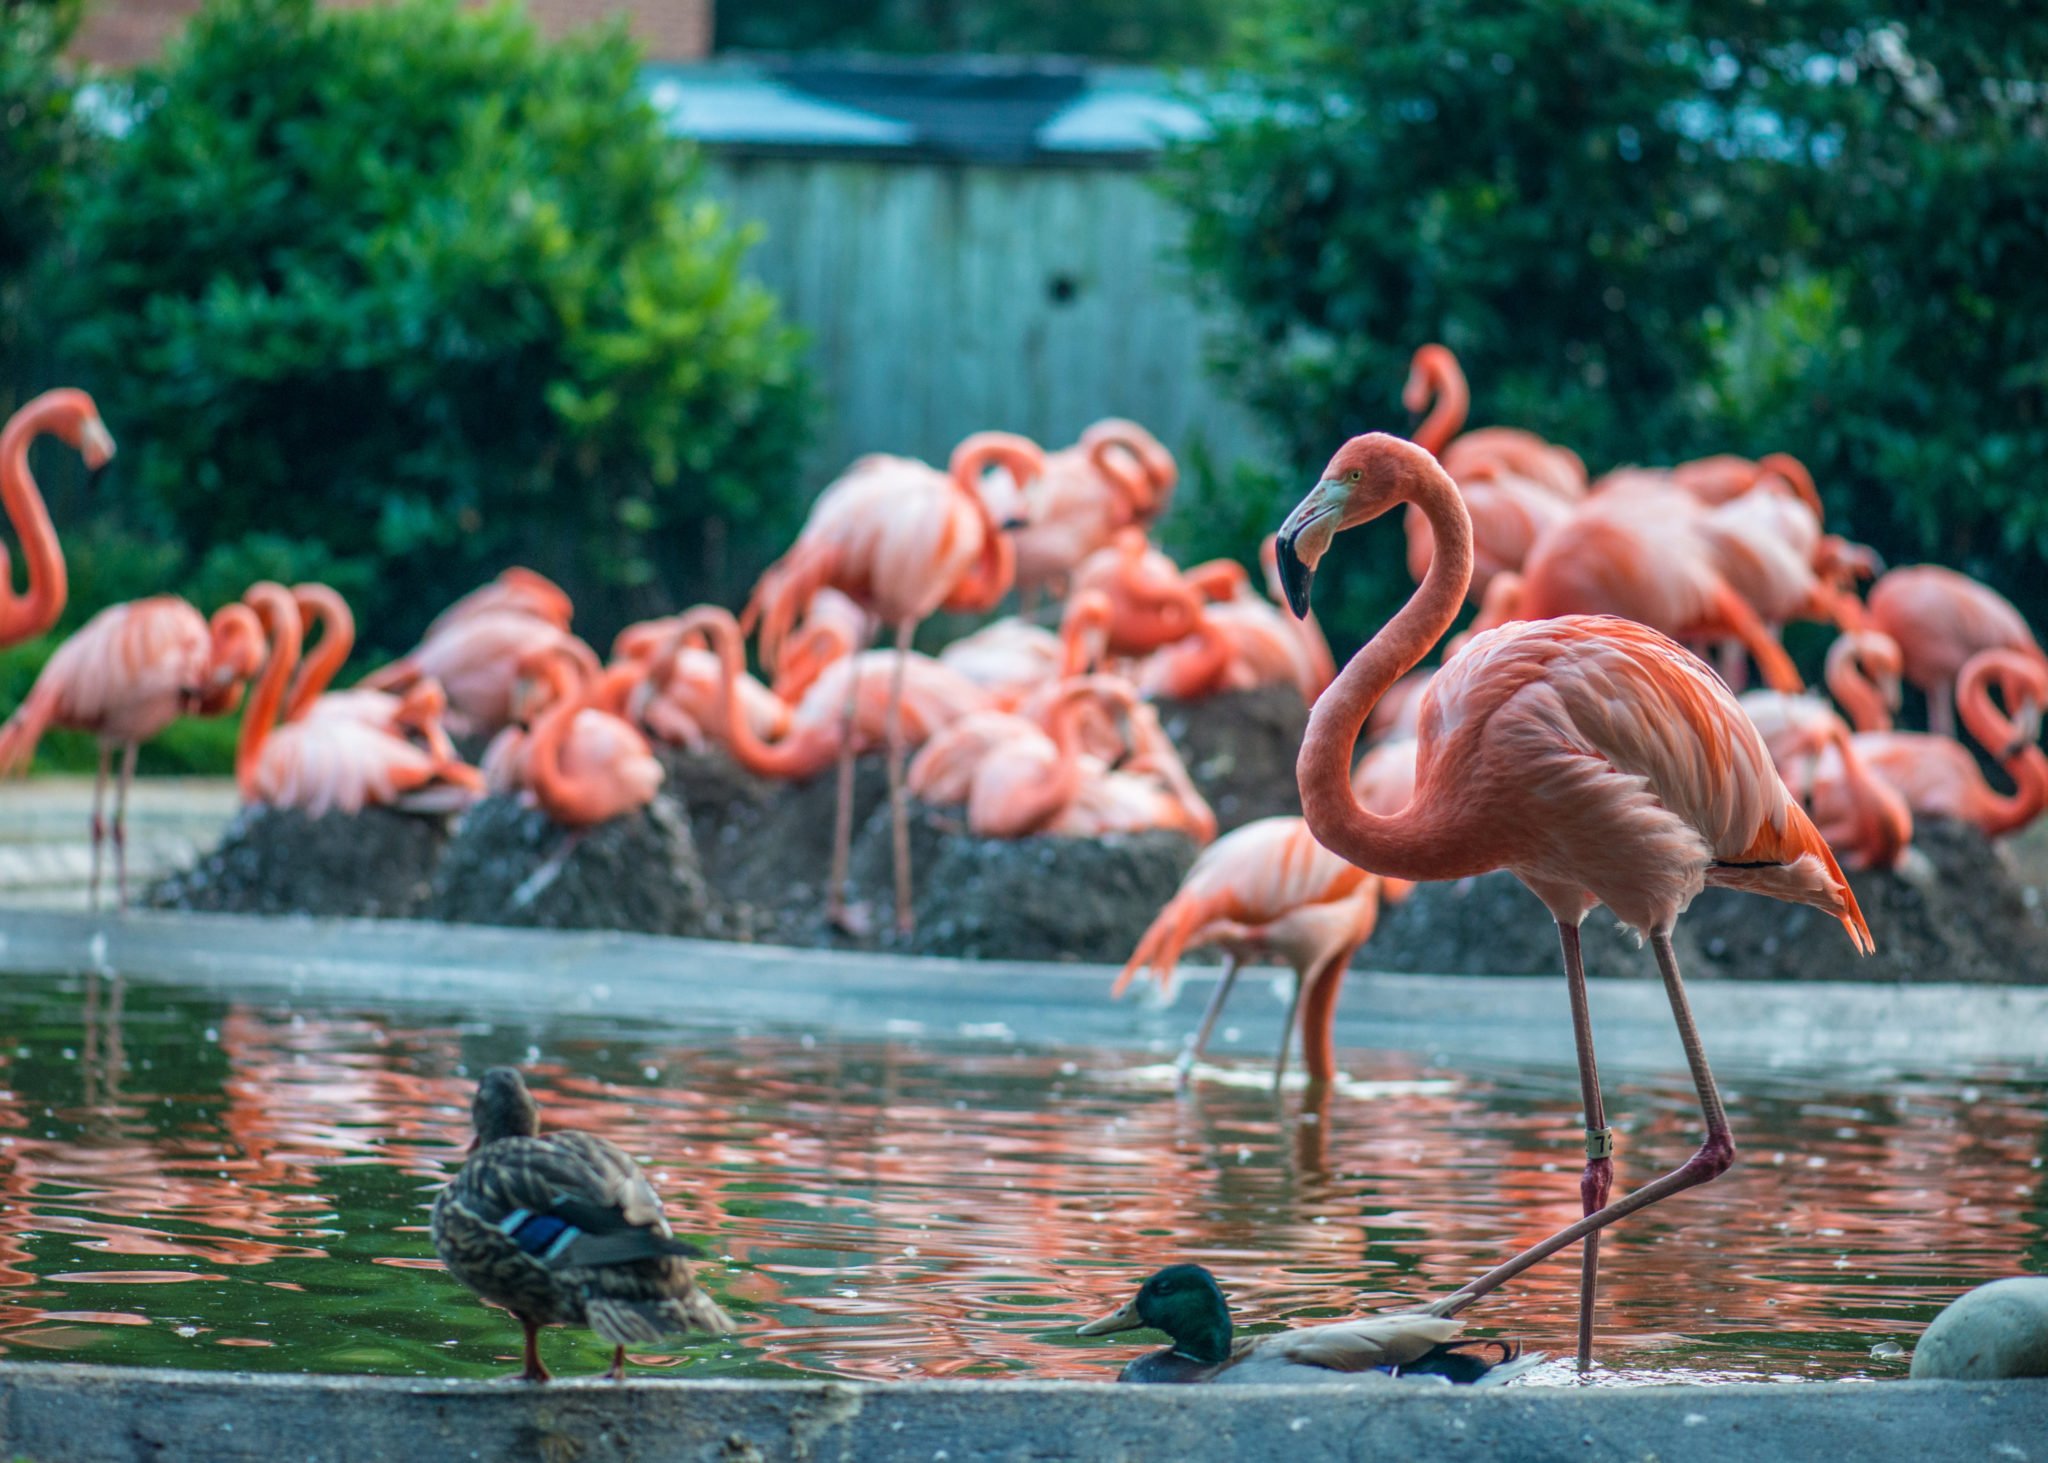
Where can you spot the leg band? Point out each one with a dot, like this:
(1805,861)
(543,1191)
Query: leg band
(1599,1143)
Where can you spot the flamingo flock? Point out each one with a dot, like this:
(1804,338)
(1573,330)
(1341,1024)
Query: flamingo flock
(1590,731)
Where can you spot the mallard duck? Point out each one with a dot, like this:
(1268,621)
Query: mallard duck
(563,1230)
(1185,1302)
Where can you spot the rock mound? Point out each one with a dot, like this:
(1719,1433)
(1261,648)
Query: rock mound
(376,863)
(1240,749)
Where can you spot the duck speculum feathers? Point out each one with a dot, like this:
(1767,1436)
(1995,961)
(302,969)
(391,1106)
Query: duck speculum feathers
(562,1229)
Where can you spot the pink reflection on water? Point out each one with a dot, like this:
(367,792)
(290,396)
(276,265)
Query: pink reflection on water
(886,1212)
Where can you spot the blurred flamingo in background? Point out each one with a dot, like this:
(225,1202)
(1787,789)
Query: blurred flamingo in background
(125,675)
(1150,791)
(585,764)
(1015,774)
(1940,619)
(72,419)
(1515,484)
(1863,672)
(1240,642)
(1633,555)
(475,647)
(1863,818)
(1267,890)
(902,540)
(1594,759)
(678,700)
(1938,776)
(1011,658)
(518,589)
(345,760)
(1117,475)
(1151,603)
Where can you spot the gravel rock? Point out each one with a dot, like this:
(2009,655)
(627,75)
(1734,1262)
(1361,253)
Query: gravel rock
(1240,750)
(1065,899)
(1995,1331)
(376,863)
(509,864)
(1961,910)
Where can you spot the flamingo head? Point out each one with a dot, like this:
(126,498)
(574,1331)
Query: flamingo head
(1367,477)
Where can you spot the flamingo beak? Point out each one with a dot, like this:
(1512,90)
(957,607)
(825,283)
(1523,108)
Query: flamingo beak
(1302,540)
(1124,1318)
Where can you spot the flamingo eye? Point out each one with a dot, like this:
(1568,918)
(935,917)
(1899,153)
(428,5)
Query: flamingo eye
(1353,476)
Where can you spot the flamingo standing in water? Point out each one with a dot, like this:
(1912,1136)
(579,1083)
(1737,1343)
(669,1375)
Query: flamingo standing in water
(1267,889)
(341,761)
(1593,758)
(1939,619)
(125,675)
(72,419)
(902,540)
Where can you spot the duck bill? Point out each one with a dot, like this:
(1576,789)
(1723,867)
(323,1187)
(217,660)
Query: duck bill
(1302,540)
(1124,1318)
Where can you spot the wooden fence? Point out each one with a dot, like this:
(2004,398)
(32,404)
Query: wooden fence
(943,298)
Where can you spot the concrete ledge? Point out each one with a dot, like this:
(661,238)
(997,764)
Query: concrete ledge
(84,1414)
(505,972)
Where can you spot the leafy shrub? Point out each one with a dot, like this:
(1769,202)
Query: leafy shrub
(1652,231)
(410,285)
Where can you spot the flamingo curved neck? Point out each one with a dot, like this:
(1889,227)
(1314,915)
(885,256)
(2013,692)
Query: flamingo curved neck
(561,796)
(1415,843)
(1848,684)
(35,610)
(2000,813)
(995,567)
(1451,404)
(280,620)
(1884,817)
(793,756)
(337,639)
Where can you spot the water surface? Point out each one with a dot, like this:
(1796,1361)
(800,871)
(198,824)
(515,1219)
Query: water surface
(194,1181)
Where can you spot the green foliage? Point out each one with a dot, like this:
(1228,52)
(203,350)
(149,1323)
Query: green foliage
(408,283)
(1651,231)
(40,140)
(1149,32)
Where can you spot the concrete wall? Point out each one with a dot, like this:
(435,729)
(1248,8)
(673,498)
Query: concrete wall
(944,299)
(72,1414)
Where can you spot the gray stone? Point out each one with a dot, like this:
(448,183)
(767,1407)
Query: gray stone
(1996,1331)
(71,1414)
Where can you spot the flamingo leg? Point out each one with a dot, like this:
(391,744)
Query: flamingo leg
(1941,709)
(1732,661)
(1184,1065)
(99,823)
(1319,1016)
(1598,1179)
(128,755)
(1287,1032)
(1709,1163)
(842,809)
(618,1371)
(899,806)
(535,1371)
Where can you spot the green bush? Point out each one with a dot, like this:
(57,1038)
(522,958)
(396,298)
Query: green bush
(411,285)
(41,140)
(1651,231)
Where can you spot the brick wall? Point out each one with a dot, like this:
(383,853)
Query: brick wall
(123,33)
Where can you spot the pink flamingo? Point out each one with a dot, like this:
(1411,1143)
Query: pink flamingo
(1015,774)
(1150,792)
(585,764)
(1384,781)
(902,540)
(1938,776)
(72,419)
(1267,890)
(1117,475)
(1636,555)
(678,700)
(1151,602)
(340,761)
(1012,658)
(520,590)
(1864,818)
(1939,619)
(476,657)
(1863,672)
(125,675)
(1516,485)
(1593,758)
(1240,642)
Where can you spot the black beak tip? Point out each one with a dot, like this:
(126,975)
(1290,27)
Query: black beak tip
(1295,576)
(1011,525)
(93,476)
